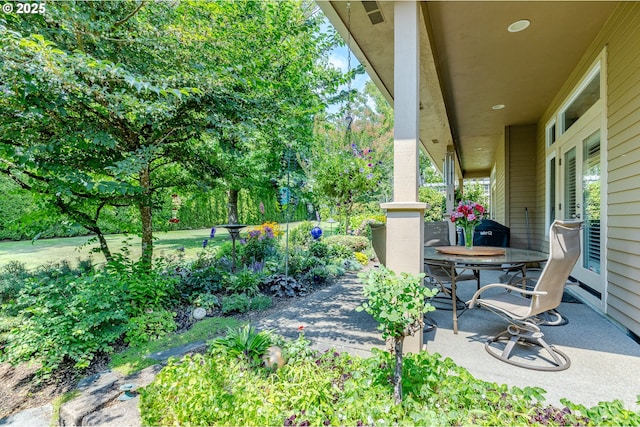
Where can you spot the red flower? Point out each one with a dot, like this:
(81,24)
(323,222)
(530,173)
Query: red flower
(300,328)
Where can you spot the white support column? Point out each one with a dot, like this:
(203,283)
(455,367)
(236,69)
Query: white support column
(449,181)
(405,215)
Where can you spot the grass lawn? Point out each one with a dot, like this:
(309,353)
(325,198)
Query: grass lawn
(46,251)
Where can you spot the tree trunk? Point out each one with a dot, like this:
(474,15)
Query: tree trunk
(397,375)
(89,223)
(146,217)
(232,206)
(104,246)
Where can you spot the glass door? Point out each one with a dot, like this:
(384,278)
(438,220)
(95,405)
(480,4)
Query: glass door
(580,199)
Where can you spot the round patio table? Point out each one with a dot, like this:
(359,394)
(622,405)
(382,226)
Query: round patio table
(483,258)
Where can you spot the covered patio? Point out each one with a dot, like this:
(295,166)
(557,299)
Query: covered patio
(605,360)
(540,97)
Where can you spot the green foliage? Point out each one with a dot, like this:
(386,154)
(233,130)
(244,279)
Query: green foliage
(205,300)
(318,249)
(338,389)
(280,286)
(436,200)
(201,278)
(235,303)
(145,289)
(134,358)
(473,191)
(398,303)
(360,223)
(301,234)
(604,414)
(149,326)
(355,243)
(94,117)
(65,317)
(12,279)
(244,281)
(340,251)
(353,168)
(245,343)
(260,302)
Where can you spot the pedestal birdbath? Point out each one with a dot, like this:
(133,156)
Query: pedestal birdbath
(234,232)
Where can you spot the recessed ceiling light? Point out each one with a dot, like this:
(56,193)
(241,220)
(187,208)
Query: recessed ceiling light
(498,107)
(478,148)
(520,25)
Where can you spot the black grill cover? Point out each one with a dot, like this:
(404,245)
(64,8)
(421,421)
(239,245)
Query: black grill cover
(488,233)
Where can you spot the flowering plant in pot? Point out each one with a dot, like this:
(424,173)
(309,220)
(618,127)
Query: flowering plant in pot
(468,215)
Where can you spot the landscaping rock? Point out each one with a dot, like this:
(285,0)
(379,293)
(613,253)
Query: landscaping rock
(97,391)
(34,417)
(99,403)
(178,351)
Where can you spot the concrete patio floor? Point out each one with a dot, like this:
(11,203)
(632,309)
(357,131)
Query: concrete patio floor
(605,361)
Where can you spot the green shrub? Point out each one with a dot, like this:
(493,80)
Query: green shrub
(67,318)
(205,300)
(12,279)
(236,303)
(359,224)
(206,278)
(355,243)
(301,235)
(260,302)
(337,389)
(319,249)
(243,282)
(398,303)
(335,270)
(146,289)
(149,326)
(339,251)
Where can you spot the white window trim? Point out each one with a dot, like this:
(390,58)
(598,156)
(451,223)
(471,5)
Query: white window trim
(595,69)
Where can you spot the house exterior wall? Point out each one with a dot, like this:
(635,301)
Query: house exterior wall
(500,194)
(520,143)
(621,38)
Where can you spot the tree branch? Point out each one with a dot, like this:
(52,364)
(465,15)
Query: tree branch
(129,16)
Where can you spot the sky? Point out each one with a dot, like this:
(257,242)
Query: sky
(339,58)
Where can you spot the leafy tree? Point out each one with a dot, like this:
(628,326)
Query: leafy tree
(107,104)
(398,303)
(351,163)
(436,200)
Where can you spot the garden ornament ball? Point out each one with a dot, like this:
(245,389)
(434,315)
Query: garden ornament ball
(316,232)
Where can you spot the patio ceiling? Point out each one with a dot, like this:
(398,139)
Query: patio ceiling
(471,62)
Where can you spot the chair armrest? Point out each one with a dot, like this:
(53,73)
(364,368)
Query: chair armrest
(472,302)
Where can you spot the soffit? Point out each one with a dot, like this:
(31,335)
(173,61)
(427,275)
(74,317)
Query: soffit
(470,62)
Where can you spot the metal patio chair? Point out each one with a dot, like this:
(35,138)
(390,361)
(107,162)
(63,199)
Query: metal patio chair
(521,307)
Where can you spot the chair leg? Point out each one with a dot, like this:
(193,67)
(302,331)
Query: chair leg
(528,335)
(551,318)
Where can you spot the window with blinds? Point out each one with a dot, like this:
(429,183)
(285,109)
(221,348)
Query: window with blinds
(570,187)
(591,202)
